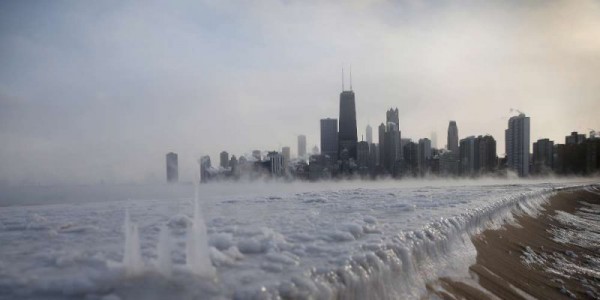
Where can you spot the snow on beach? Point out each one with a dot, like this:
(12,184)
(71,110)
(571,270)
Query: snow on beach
(382,240)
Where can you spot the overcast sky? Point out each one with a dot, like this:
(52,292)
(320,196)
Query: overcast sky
(95,91)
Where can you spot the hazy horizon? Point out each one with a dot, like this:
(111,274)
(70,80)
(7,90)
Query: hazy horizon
(100,91)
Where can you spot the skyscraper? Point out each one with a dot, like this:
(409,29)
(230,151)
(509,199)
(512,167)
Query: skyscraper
(172,167)
(363,155)
(392,116)
(347,137)
(369,135)
(285,151)
(382,145)
(468,154)
(391,145)
(517,144)
(424,155)
(302,147)
(488,159)
(224,159)
(204,168)
(329,138)
(574,138)
(543,156)
(453,137)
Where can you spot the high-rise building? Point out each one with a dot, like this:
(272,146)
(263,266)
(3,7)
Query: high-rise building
(329,138)
(172,167)
(369,135)
(488,159)
(574,138)
(204,168)
(424,155)
(543,156)
(410,155)
(233,164)
(452,137)
(224,163)
(517,144)
(392,116)
(302,147)
(315,150)
(285,151)
(449,163)
(382,145)
(468,155)
(373,156)
(276,166)
(347,137)
(391,145)
(362,161)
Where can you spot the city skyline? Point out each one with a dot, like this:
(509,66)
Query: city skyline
(95,87)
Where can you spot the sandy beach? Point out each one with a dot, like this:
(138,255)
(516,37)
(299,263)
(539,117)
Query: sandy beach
(554,255)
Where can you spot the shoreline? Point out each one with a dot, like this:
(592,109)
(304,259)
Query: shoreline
(524,260)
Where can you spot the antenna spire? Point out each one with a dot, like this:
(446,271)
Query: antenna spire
(350,77)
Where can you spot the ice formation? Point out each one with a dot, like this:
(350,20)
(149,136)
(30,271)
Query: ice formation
(380,241)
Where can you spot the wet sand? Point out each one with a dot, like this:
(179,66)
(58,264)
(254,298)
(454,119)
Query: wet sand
(555,270)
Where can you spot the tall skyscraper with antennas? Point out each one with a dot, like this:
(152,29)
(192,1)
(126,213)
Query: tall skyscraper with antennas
(347,137)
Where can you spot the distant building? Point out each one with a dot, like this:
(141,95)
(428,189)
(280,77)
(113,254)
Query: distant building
(224,163)
(315,150)
(233,164)
(424,156)
(391,144)
(172,167)
(452,137)
(319,167)
(543,156)
(347,136)
(574,138)
(449,163)
(468,155)
(381,149)
(578,158)
(592,155)
(302,147)
(410,155)
(517,144)
(363,156)
(487,160)
(369,133)
(205,168)
(392,116)
(276,166)
(373,157)
(329,138)
(285,151)
(257,155)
